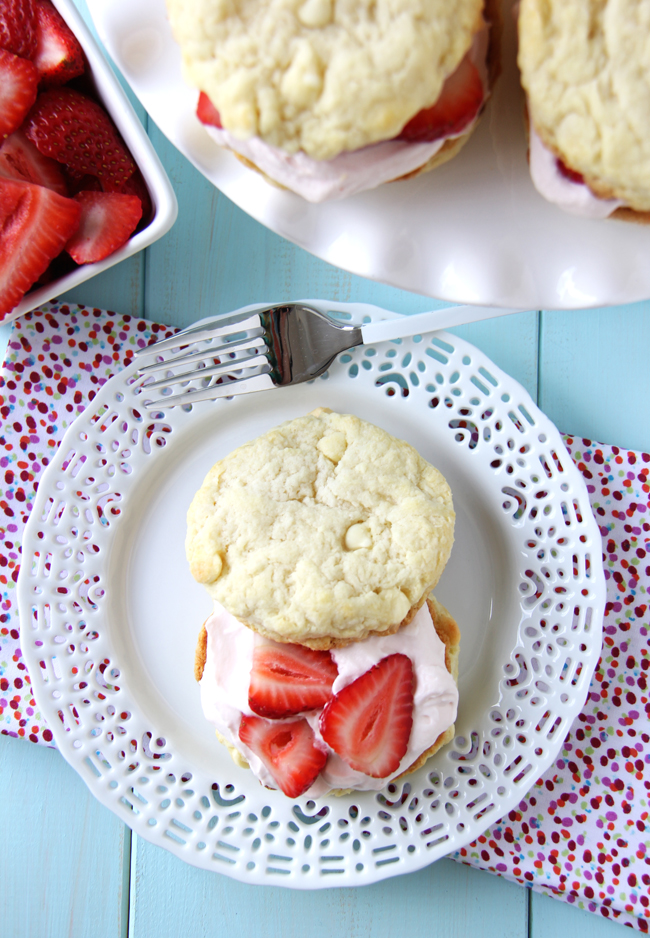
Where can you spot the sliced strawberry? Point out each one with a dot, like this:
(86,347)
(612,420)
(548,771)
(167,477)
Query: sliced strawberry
(18,27)
(569,173)
(35,223)
(368,723)
(18,89)
(288,750)
(207,112)
(73,129)
(58,55)
(19,159)
(289,679)
(107,221)
(459,102)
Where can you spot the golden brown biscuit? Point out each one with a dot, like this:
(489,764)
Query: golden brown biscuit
(321,532)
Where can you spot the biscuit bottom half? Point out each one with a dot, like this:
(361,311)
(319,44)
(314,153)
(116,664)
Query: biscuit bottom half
(449,634)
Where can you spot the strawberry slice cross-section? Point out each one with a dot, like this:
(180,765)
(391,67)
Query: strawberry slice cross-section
(58,55)
(459,103)
(288,750)
(288,679)
(35,223)
(368,723)
(18,88)
(107,221)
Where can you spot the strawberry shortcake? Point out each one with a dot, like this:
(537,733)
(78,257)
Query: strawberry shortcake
(327,665)
(331,97)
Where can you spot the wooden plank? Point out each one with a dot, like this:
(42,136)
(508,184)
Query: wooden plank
(170,898)
(120,289)
(62,852)
(550,918)
(594,375)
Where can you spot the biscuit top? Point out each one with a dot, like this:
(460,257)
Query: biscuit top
(322,531)
(321,76)
(586,69)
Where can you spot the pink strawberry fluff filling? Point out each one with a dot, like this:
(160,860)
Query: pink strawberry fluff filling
(574,197)
(226,679)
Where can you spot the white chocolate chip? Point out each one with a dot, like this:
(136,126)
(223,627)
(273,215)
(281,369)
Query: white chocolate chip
(315,13)
(207,568)
(333,446)
(358,536)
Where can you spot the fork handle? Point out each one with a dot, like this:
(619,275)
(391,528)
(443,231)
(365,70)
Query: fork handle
(405,326)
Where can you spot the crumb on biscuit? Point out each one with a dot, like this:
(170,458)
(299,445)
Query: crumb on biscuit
(201,653)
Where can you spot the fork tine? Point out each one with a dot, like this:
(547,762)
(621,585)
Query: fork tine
(217,327)
(261,381)
(214,351)
(222,368)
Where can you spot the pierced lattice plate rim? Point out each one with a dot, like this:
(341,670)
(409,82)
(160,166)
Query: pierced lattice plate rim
(110,614)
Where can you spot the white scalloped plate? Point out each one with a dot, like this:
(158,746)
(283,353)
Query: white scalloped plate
(474,231)
(110,615)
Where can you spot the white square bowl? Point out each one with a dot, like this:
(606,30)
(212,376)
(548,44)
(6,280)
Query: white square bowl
(110,94)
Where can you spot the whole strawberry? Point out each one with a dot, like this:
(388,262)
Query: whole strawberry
(71,128)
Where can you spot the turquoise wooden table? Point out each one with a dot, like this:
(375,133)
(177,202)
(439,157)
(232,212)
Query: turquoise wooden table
(69,867)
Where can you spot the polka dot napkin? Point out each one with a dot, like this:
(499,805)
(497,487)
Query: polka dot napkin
(581,833)
(57,359)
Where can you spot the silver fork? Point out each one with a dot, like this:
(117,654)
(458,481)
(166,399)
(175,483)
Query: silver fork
(274,347)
